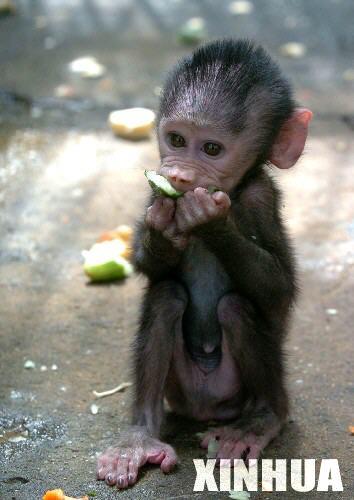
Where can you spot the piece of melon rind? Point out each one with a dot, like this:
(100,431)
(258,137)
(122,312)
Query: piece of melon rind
(160,185)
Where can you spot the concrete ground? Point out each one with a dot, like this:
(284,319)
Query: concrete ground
(64,179)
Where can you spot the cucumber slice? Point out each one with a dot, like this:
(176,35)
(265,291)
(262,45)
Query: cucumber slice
(160,185)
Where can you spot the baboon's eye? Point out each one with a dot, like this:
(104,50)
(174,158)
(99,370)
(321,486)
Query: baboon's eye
(211,149)
(176,140)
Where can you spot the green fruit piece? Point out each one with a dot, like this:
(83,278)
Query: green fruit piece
(106,271)
(103,262)
(213,448)
(192,31)
(161,186)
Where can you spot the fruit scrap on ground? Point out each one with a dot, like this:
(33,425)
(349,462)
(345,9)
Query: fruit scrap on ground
(107,259)
(58,494)
(133,123)
(122,233)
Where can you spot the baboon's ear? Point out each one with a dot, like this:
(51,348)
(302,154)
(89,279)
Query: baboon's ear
(291,139)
